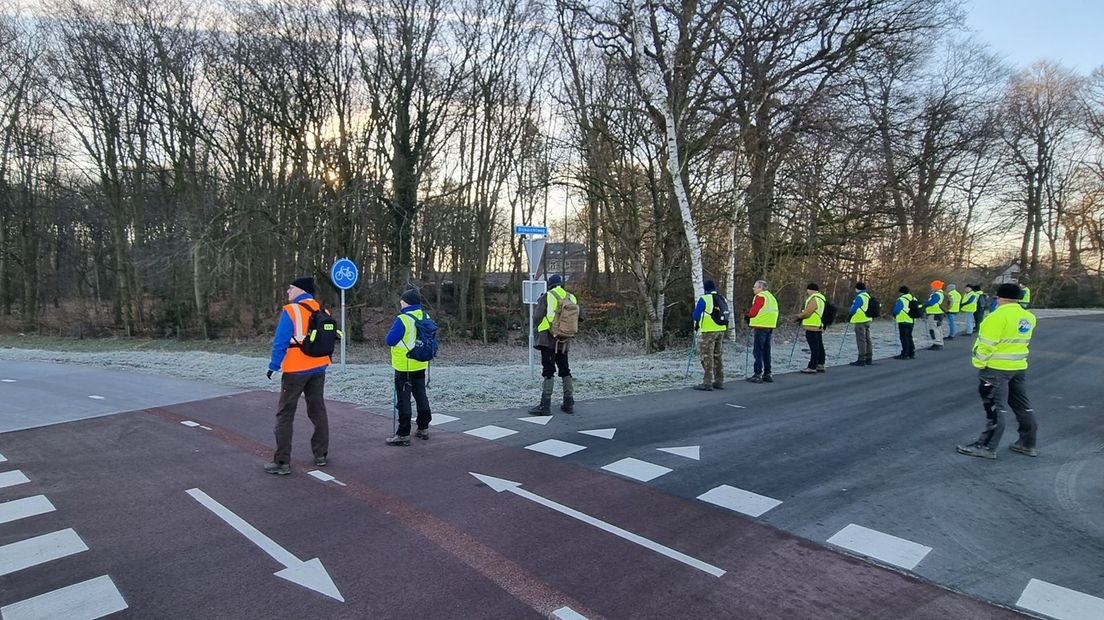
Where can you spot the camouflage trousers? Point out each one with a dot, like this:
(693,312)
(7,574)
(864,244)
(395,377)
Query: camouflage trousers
(711,345)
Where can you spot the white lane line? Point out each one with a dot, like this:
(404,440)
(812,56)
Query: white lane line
(1058,602)
(3,459)
(567,613)
(206,428)
(539,419)
(637,469)
(689,452)
(25,507)
(499,485)
(96,397)
(555,447)
(604,433)
(491,432)
(189,423)
(736,406)
(87,600)
(440,418)
(885,547)
(34,551)
(12,478)
(8,380)
(739,500)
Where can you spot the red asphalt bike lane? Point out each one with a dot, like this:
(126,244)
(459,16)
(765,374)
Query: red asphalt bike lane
(412,534)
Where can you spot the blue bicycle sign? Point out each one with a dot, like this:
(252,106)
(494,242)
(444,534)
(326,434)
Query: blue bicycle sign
(344,274)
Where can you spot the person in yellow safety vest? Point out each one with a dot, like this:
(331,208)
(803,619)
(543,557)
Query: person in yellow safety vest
(554,350)
(763,318)
(1000,355)
(410,374)
(905,323)
(1025,300)
(860,322)
(933,315)
(711,339)
(954,306)
(812,321)
(969,308)
(302,375)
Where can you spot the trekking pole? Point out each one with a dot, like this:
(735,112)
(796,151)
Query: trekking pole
(797,334)
(690,355)
(394,410)
(843,339)
(747,347)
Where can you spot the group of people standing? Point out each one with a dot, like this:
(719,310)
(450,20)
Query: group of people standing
(999,353)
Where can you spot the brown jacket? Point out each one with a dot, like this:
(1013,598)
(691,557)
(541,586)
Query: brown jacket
(810,310)
(544,338)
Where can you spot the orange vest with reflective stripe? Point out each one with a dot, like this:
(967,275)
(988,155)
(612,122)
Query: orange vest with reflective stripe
(295,360)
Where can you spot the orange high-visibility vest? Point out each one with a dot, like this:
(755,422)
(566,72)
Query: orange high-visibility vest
(296,360)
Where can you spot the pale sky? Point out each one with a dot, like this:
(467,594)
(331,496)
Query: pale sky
(1023,31)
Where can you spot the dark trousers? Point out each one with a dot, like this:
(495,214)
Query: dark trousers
(997,387)
(407,384)
(979,314)
(815,340)
(762,351)
(551,361)
(908,346)
(311,386)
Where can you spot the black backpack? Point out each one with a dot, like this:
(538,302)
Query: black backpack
(915,310)
(720,312)
(830,312)
(873,308)
(425,339)
(322,333)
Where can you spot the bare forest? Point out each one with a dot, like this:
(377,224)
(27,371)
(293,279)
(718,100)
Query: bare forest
(167,166)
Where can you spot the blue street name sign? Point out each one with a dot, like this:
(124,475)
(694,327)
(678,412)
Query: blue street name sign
(344,274)
(530,230)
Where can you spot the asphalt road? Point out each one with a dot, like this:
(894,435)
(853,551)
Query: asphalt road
(409,532)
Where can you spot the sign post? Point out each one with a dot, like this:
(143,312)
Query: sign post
(344,275)
(532,289)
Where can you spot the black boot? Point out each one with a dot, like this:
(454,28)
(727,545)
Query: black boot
(545,406)
(568,405)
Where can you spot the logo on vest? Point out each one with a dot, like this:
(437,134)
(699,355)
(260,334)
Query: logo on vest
(1025,326)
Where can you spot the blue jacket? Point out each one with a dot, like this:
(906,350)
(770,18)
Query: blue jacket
(898,307)
(285,330)
(932,301)
(398,328)
(855,305)
(699,309)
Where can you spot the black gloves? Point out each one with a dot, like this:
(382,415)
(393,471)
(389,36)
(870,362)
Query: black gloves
(747,319)
(269,374)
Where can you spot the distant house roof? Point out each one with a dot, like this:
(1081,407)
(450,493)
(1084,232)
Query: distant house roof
(1010,274)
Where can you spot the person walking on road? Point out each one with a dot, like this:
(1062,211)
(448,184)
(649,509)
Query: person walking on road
(860,322)
(1025,292)
(709,308)
(954,300)
(982,306)
(811,320)
(905,323)
(933,315)
(1000,355)
(558,312)
(763,319)
(301,375)
(410,374)
(969,309)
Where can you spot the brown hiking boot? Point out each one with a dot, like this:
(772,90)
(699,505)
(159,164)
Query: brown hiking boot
(398,440)
(422,433)
(1021,449)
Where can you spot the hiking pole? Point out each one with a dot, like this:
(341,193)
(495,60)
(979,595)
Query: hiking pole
(394,410)
(747,346)
(690,355)
(797,334)
(843,339)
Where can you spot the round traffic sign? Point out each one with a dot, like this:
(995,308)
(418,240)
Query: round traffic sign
(344,274)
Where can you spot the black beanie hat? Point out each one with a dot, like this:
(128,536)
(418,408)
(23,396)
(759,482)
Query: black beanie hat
(412,297)
(903,289)
(812,287)
(1009,291)
(709,286)
(860,286)
(306,283)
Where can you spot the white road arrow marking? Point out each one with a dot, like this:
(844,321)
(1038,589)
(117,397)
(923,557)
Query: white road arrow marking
(310,574)
(604,433)
(500,485)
